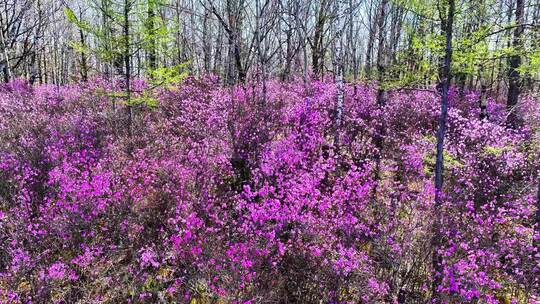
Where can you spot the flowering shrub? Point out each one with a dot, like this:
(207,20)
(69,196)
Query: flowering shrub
(245,195)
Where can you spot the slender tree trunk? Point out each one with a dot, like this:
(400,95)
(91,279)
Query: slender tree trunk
(371,39)
(151,15)
(238,60)
(514,62)
(218,55)
(381,92)
(339,83)
(340,87)
(127,64)
(84,64)
(290,48)
(63,68)
(234,31)
(381,45)
(352,46)
(178,35)
(483,99)
(396,37)
(445,78)
(40,68)
(55,69)
(318,41)
(288,56)
(207,51)
(33,65)
(7,69)
(258,39)
(303,40)
(493,68)
(107,37)
(235,53)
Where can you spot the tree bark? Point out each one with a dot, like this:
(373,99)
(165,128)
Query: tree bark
(339,80)
(371,40)
(207,50)
(84,64)
(445,78)
(514,62)
(6,68)
(127,64)
(483,99)
(152,54)
(318,41)
(381,92)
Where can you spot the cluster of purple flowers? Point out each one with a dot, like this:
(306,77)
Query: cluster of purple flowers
(254,195)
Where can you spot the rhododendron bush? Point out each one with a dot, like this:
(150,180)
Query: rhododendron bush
(255,195)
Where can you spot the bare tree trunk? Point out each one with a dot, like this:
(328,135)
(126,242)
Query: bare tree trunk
(234,40)
(218,55)
(381,45)
(340,87)
(318,41)
(235,36)
(55,68)
(514,62)
(82,41)
(381,92)
(258,40)
(483,98)
(445,78)
(151,15)
(371,39)
(64,69)
(107,33)
(302,36)
(178,35)
(7,69)
(353,42)
(33,66)
(397,24)
(207,50)
(535,44)
(84,65)
(127,64)
(39,68)
(339,83)
(233,28)
(290,51)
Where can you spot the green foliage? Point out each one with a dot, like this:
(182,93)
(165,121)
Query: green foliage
(423,8)
(531,66)
(418,63)
(149,32)
(72,18)
(107,49)
(429,158)
(496,151)
(474,51)
(70,15)
(155,33)
(168,76)
(449,160)
(146,98)
(79,47)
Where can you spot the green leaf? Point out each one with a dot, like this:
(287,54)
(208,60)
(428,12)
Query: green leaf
(70,15)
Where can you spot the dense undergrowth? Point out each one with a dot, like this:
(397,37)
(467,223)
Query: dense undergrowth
(239,195)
